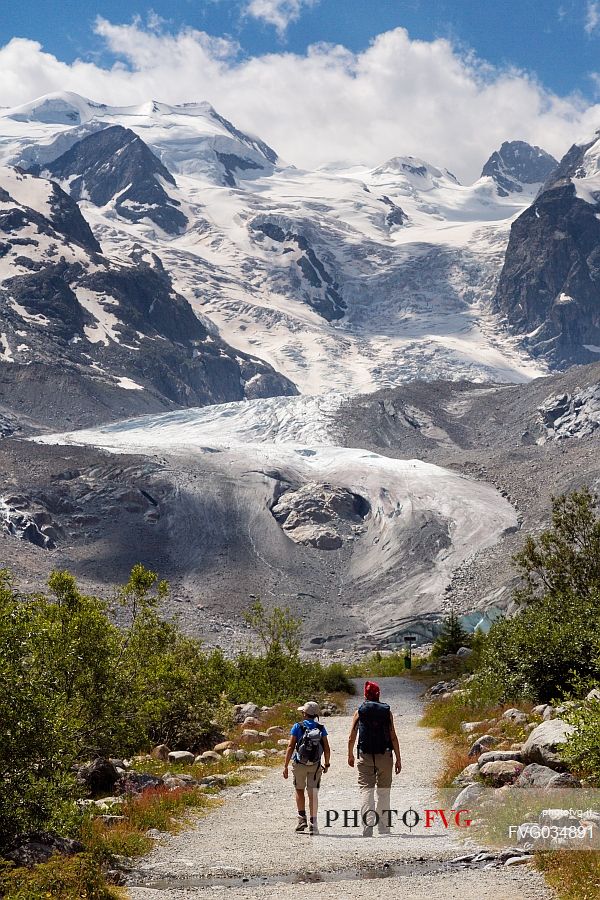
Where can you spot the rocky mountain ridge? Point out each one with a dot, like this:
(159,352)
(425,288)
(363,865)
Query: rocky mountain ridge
(66,305)
(549,287)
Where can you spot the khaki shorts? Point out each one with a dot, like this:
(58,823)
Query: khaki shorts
(307,776)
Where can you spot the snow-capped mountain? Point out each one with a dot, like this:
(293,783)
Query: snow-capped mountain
(516,164)
(361,277)
(117,324)
(549,289)
(155,257)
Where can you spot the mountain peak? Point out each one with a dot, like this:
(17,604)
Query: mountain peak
(517,163)
(58,108)
(412,167)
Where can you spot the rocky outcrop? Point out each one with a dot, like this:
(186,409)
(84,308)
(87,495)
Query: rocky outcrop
(99,776)
(307,271)
(549,288)
(502,771)
(321,515)
(37,847)
(544,744)
(517,163)
(571,415)
(114,164)
(65,305)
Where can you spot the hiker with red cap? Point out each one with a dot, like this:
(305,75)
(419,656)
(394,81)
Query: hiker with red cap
(374,723)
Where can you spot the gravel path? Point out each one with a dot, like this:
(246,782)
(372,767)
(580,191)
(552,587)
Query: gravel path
(252,836)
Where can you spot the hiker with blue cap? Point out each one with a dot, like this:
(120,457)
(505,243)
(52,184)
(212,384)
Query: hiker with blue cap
(308,742)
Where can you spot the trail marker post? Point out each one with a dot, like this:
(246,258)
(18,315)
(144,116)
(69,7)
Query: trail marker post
(409,640)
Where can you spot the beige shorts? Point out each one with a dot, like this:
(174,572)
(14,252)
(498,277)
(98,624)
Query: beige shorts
(307,776)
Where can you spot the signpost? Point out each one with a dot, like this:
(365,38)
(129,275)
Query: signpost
(409,640)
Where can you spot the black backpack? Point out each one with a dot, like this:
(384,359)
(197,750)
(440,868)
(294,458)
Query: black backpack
(310,745)
(374,727)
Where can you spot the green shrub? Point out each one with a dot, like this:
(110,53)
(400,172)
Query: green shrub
(548,651)
(582,751)
(451,638)
(551,648)
(74,685)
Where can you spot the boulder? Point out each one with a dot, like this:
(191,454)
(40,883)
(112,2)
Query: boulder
(36,847)
(564,780)
(464,652)
(282,742)
(516,716)
(214,781)
(243,710)
(161,752)
(99,775)
(258,754)
(470,727)
(544,743)
(442,687)
(182,757)
(137,782)
(224,745)
(502,771)
(540,709)
(209,756)
(593,694)
(469,795)
(467,776)
(482,744)
(499,756)
(241,755)
(250,736)
(277,730)
(561,818)
(175,782)
(535,776)
(252,722)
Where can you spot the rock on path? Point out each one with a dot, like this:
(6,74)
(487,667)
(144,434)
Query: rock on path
(252,835)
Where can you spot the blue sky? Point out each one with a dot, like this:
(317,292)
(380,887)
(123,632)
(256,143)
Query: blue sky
(547,37)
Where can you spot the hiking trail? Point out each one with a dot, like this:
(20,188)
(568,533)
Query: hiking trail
(251,836)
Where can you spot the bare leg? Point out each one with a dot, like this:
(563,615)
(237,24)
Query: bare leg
(300,802)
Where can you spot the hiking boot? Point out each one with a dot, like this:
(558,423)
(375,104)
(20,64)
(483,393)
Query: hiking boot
(302,824)
(313,828)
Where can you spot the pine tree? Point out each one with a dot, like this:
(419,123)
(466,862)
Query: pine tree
(452,636)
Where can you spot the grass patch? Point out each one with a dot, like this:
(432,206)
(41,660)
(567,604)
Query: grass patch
(456,759)
(157,808)
(61,878)
(390,666)
(574,874)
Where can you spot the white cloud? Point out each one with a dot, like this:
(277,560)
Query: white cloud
(399,96)
(592,16)
(279,13)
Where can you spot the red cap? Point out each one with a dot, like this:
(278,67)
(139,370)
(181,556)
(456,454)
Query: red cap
(371,690)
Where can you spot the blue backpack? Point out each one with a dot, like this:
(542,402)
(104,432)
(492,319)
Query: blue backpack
(310,744)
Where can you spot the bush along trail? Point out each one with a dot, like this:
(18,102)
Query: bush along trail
(520,708)
(136,763)
(82,702)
